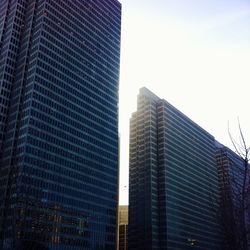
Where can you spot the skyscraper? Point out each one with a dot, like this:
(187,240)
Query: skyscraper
(234,202)
(59,70)
(172,174)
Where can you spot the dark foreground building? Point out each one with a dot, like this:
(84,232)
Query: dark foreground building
(59,69)
(172,176)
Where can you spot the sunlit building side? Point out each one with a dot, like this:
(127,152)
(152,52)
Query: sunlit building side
(123,228)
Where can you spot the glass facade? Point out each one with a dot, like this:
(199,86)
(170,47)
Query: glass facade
(234,202)
(59,72)
(172,176)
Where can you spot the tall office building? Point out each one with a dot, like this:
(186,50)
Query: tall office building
(172,175)
(123,228)
(59,70)
(234,201)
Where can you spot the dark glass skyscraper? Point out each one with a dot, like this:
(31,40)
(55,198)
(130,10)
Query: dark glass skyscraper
(234,212)
(172,176)
(59,70)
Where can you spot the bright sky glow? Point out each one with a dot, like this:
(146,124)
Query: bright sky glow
(194,54)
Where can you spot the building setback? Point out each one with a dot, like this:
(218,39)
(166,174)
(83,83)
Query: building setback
(172,176)
(59,70)
(234,216)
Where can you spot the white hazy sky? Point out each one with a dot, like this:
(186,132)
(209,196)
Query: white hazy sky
(194,54)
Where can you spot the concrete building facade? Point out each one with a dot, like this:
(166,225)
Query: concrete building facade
(123,228)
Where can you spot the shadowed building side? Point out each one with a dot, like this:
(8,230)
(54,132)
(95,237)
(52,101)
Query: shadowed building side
(59,73)
(172,176)
(233,215)
(143,176)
